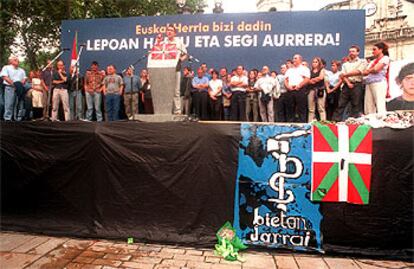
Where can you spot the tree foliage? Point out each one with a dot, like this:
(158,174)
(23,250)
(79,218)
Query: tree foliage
(33,26)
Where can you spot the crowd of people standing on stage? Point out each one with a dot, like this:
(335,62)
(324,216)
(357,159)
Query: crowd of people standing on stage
(297,92)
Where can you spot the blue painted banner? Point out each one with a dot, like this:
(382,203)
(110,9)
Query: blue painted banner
(251,39)
(272,198)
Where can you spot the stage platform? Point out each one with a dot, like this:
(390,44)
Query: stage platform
(174,182)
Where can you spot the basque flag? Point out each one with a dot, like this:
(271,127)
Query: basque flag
(341,163)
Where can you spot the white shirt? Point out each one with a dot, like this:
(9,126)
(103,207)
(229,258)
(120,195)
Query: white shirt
(215,85)
(243,79)
(297,74)
(15,74)
(265,84)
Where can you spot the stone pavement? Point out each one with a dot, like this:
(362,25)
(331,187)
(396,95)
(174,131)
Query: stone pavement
(18,250)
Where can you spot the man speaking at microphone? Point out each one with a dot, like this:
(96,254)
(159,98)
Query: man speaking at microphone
(182,51)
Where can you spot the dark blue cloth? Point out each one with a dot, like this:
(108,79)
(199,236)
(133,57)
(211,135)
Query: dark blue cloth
(20,89)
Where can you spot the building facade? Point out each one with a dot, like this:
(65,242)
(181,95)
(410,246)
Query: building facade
(386,20)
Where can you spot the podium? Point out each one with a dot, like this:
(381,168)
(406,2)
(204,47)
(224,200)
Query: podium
(162,64)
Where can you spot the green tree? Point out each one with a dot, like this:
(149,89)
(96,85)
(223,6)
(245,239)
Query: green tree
(33,26)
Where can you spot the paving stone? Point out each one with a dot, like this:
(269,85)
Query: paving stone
(9,242)
(149,248)
(285,262)
(374,264)
(209,253)
(126,246)
(161,266)
(64,253)
(92,266)
(310,262)
(16,260)
(84,259)
(102,248)
(48,246)
(160,255)
(194,252)
(74,265)
(228,266)
(189,258)
(30,244)
(340,263)
(92,254)
(260,261)
(108,262)
(150,260)
(49,263)
(224,261)
(120,257)
(212,259)
(172,250)
(78,244)
(199,265)
(103,244)
(137,265)
(171,262)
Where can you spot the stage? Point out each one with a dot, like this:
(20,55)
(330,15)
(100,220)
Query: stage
(174,183)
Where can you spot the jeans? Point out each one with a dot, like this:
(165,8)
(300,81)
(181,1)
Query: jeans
(93,100)
(353,96)
(79,105)
(238,106)
(113,103)
(9,101)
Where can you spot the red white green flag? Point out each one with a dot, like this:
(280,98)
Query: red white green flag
(74,57)
(341,163)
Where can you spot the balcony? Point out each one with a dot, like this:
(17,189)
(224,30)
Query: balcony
(397,34)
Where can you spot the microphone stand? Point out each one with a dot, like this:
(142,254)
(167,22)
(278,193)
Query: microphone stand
(131,81)
(49,96)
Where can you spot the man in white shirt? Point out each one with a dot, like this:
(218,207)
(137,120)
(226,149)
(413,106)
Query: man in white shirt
(182,50)
(238,85)
(296,79)
(266,84)
(352,89)
(11,75)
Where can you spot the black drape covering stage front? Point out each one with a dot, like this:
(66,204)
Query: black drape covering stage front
(174,183)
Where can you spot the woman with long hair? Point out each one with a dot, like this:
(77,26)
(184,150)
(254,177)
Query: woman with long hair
(252,97)
(215,87)
(316,93)
(376,84)
(145,90)
(38,89)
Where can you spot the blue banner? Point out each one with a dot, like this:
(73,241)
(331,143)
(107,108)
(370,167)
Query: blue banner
(272,198)
(221,40)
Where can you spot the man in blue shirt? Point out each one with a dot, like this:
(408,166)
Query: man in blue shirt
(13,76)
(200,95)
